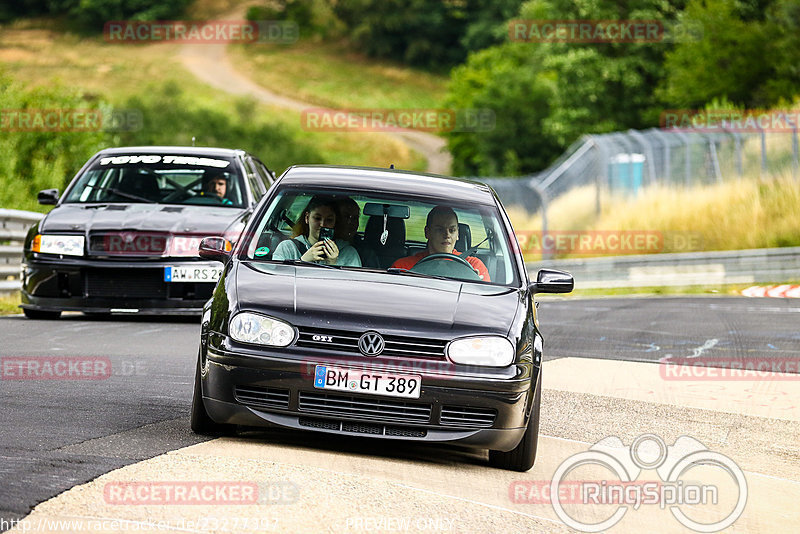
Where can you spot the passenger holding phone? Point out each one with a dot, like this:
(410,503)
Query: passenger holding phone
(313,237)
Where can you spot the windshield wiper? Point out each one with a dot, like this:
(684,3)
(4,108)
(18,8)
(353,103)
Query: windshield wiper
(310,264)
(398,270)
(121,193)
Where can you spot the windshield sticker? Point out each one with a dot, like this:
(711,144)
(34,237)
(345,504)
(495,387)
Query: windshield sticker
(173,160)
(262,251)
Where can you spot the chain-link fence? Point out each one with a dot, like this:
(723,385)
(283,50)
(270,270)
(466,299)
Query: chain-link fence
(624,163)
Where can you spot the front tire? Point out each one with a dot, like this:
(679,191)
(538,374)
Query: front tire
(522,457)
(41,314)
(201,422)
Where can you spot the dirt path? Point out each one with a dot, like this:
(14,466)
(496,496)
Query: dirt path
(211,64)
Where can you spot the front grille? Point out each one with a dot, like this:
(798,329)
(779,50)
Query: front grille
(401,432)
(262,397)
(128,243)
(319,423)
(345,405)
(468,417)
(396,346)
(361,428)
(131,283)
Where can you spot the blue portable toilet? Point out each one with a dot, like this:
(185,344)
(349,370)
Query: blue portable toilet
(625,173)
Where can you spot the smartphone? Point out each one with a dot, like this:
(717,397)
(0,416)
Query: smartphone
(326,233)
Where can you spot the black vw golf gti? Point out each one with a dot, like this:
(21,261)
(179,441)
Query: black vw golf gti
(124,235)
(376,303)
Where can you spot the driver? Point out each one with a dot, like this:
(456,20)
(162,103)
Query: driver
(215,184)
(441,231)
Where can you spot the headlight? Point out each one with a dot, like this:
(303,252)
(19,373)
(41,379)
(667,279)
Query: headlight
(493,351)
(69,245)
(253,328)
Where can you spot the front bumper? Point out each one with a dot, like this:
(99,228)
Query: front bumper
(488,412)
(105,286)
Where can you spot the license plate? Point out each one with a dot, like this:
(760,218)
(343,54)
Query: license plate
(188,273)
(390,385)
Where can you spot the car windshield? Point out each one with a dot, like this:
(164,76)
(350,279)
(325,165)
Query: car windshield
(387,232)
(163,179)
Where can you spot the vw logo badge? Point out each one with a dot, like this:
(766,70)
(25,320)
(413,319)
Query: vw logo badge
(371,344)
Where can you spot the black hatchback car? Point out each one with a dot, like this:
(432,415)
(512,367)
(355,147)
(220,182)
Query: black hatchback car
(124,236)
(419,324)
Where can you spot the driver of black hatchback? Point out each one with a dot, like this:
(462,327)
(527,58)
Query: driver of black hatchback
(441,231)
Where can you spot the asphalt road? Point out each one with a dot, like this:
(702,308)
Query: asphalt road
(60,433)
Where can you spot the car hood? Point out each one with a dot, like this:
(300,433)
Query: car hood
(174,219)
(363,300)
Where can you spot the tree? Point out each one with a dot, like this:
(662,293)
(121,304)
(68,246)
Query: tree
(435,35)
(547,94)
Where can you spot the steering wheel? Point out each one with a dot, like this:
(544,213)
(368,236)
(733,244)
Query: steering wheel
(447,263)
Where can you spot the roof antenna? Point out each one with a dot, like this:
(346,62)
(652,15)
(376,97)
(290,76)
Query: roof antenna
(192,140)
(391,166)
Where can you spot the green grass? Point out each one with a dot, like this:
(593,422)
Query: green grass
(9,304)
(331,74)
(114,73)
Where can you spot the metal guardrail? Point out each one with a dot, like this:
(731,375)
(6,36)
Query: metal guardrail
(14,226)
(681,269)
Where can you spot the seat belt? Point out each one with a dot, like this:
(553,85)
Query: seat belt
(302,248)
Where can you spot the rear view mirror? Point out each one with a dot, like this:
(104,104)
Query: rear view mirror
(215,248)
(48,197)
(392,210)
(552,281)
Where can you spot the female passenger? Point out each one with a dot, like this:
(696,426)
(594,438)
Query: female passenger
(306,244)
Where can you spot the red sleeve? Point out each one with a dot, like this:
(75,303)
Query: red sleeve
(405,263)
(478,265)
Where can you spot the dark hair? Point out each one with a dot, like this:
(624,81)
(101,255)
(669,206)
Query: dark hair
(214,174)
(301,226)
(342,205)
(439,210)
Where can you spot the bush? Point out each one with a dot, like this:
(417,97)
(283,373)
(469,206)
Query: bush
(93,14)
(435,35)
(170,117)
(314,18)
(35,160)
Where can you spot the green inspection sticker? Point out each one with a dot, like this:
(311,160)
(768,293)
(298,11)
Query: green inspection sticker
(262,251)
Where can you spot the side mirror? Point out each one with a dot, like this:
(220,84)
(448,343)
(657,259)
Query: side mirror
(552,281)
(48,197)
(215,248)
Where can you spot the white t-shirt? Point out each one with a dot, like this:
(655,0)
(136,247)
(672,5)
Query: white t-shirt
(287,250)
